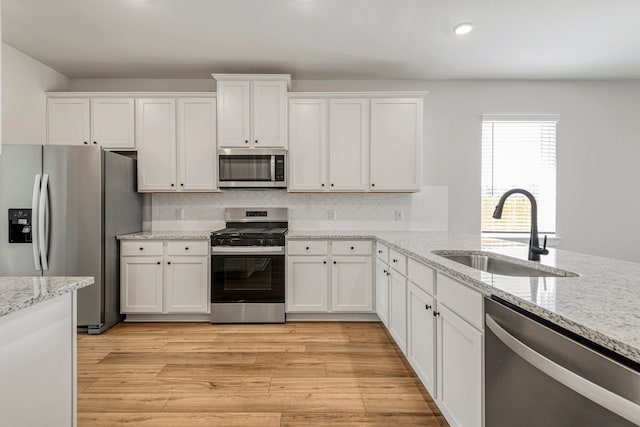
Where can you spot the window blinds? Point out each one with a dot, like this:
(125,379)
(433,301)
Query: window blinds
(518,153)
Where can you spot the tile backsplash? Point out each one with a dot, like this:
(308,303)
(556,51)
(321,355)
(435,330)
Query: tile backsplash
(425,210)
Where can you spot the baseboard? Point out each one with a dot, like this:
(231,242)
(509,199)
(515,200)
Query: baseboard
(186,317)
(332,317)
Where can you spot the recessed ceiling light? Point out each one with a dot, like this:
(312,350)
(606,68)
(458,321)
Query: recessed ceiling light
(464,28)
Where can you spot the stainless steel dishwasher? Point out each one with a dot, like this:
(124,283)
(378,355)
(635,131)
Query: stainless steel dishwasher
(537,374)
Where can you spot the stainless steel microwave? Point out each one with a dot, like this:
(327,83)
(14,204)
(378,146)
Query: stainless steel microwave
(252,168)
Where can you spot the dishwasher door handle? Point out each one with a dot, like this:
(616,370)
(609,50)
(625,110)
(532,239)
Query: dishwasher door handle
(625,408)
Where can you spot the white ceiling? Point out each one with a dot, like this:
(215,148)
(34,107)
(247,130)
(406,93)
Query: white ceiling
(329,39)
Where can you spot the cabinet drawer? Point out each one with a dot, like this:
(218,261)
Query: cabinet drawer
(461,299)
(382,252)
(398,262)
(308,247)
(141,248)
(188,247)
(351,247)
(421,275)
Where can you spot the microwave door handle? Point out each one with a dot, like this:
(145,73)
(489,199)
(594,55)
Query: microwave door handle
(35,230)
(273,168)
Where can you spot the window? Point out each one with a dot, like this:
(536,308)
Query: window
(519,152)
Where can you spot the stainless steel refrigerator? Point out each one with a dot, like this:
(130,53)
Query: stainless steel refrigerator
(60,210)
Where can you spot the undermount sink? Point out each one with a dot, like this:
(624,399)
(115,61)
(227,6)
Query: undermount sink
(488,262)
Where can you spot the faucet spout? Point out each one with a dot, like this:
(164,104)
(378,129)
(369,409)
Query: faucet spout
(534,243)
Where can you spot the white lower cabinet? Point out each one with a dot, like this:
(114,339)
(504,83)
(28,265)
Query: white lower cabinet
(421,349)
(328,279)
(307,283)
(351,288)
(382,292)
(398,310)
(460,358)
(185,292)
(154,280)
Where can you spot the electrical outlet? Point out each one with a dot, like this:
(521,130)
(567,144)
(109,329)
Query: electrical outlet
(399,214)
(332,214)
(180,213)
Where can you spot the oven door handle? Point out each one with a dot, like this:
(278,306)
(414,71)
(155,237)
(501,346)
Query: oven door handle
(247,250)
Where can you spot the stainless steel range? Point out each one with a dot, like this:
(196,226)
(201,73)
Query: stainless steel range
(248,267)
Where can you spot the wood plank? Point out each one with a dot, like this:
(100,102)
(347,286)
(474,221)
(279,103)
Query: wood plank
(326,357)
(180,385)
(352,347)
(128,371)
(230,347)
(184,358)
(342,370)
(285,337)
(276,402)
(344,385)
(122,402)
(396,403)
(360,420)
(198,419)
(204,371)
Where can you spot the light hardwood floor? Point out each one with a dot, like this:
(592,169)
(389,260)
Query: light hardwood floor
(296,374)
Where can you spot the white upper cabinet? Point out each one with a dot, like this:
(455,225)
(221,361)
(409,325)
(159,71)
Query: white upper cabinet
(234,113)
(197,144)
(156,137)
(269,108)
(396,144)
(68,121)
(308,151)
(113,123)
(105,121)
(348,144)
(252,110)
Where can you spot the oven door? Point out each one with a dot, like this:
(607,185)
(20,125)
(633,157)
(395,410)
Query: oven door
(247,275)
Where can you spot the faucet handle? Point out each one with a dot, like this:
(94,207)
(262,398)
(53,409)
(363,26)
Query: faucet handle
(544,244)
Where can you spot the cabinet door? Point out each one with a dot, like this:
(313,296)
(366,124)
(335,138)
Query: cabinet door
(197,144)
(421,336)
(186,284)
(351,284)
(156,137)
(398,310)
(348,144)
(307,283)
(141,284)
(460,352)
(112,123)
(68,121)
(269,114)
(382,292)
(307,144)
(234,121)
(396,144)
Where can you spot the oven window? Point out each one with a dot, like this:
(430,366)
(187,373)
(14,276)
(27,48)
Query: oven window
(247,274)
(245,168)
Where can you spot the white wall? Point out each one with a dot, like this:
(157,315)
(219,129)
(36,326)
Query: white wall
(24,83)
(598,147)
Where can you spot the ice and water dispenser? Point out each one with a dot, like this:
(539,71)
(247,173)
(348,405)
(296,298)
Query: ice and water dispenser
(19,225)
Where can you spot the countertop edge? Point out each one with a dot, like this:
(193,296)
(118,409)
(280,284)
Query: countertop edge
(76,283)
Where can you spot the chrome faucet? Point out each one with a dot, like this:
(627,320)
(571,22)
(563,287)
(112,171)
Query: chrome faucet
(534,249)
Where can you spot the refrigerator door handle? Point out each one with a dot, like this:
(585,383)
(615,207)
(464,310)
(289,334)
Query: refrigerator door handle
(43,222)
(34,222)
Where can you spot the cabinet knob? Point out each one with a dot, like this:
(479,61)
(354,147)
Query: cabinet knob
(427,307)
(384,271)
(169,262)
(436,313)
(256,141)
(158,262)
(324,262)
(388,274)
(181,185)
(373,185)
(322,185)
(395,260)
(95,143)
(141,249)
(332,185)
(186,248)
(307,248)
(86,143)
(334,262)
(246,141)
(173,185)
(352,248)
(379,252)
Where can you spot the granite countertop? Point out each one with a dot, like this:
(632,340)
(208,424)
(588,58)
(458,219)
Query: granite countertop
(601,304)
(17,293)
(167,235)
